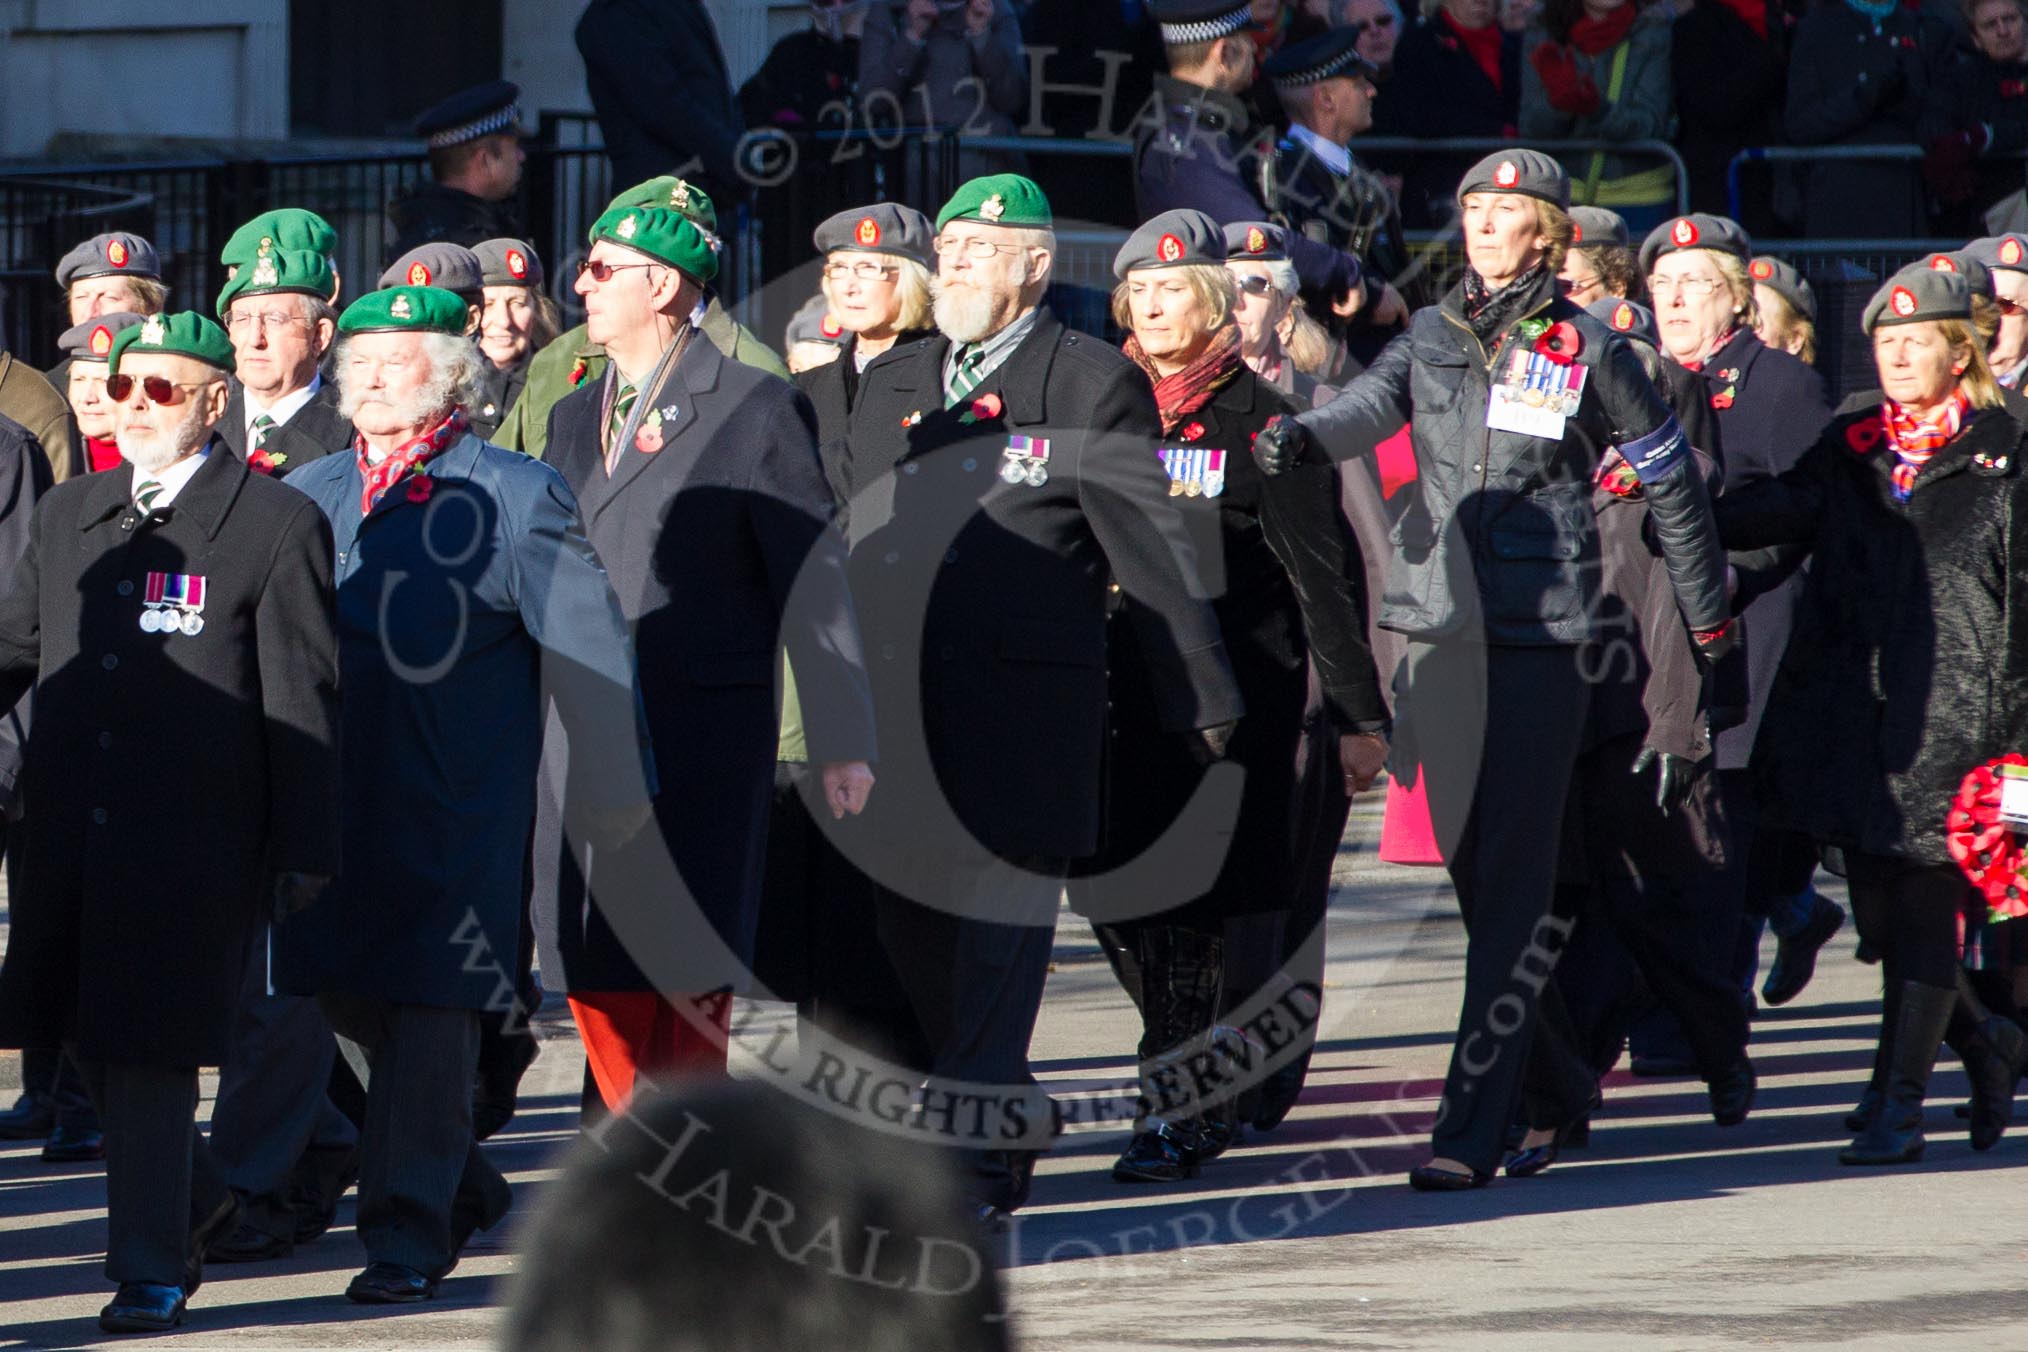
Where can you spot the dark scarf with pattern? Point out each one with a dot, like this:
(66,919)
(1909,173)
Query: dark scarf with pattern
(1489,312)
(1180,395)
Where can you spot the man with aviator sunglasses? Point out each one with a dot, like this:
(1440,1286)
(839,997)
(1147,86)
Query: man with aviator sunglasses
(175,617)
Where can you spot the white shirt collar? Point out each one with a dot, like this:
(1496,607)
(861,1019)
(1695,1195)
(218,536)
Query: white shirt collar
(173,478)
(1336,158)
(284,408)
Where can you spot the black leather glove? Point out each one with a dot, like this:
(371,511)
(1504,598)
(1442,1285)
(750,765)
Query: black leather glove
(1714,644)
(295,892)
(1672,777)
(1207,745)
(1282,445)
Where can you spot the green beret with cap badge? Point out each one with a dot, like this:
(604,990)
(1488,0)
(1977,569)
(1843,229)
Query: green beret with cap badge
(999,199)
(183,334)
(407,309)
(663,234)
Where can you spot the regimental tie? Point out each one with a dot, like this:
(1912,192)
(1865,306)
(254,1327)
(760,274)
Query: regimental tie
(623,405)
(145,495)
(262,425)
(967,376)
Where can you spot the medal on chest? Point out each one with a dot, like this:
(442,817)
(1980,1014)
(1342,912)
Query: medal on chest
(173,603)
(1194,471)
(1027,461)
(1535,395)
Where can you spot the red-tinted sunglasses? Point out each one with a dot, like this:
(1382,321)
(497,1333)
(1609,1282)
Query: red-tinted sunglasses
(159,389)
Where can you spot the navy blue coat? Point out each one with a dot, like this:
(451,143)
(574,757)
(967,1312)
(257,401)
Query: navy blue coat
(458,617)
(722,556)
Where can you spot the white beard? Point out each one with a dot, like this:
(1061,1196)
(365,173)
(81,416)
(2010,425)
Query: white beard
(151,452)
(965,317)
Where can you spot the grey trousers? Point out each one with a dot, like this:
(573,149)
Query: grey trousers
(272,1105)
(422,1176)
(160,1179)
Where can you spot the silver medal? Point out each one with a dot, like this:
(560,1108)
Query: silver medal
(1012,472)
(151,621)
(1037,475)
(192,623)
(172,623)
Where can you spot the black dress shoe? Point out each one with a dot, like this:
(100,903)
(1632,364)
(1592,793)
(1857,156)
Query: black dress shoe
(1796,956)
(1732,1093)
(1429,1178)
(68,1145)
(1164,1155)
(248,1244)
(143,1307)
(32,1117)
(1531,1160)
(216,1226)
(391,1284)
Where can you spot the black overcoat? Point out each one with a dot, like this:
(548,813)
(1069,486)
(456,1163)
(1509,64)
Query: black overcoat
(1909,662)
(318,429)
(721,552)
(1287,583)
(983,600)
(168,775)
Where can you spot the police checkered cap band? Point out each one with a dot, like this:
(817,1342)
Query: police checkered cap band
(1204,30)
(1323,70)
(498,120)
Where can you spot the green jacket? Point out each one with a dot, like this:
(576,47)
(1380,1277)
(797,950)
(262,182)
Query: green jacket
(526,427)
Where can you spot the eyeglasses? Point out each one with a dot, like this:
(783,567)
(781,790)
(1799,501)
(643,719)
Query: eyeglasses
(1254,285)
(602,271)
(865,270)
(975,247)
(1689,286)
(2009,307)
(159,389)
(1583,283)
(272,319)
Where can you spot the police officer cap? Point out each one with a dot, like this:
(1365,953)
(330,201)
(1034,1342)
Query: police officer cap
(1173,239)
(1333,53)
(1595,226)
(1630,317)
(508,262)
(185,334)
(1695,231)
(283,228)
(1184,21)
(1256,241)
(1528,172)
(2007,253)
(884,227)
(1917,293)
(439,263)
(667,190)
(999,199)
(118,254)
(1786,282)
(483,110)
(815,323)
(1977,274)
(407,309)
(93,339)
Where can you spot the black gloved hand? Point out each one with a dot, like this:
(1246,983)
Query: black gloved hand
(1207,745)
(1672,777)
(295,892)
(1714,644)
(1282,445)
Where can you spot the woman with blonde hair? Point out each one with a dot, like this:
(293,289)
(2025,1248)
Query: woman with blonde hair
(1786,306)
(1278,339)
(876,286)
(517,320)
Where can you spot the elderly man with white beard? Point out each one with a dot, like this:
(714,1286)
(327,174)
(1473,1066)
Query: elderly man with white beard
(468,599)
(175,616)
(1006,470)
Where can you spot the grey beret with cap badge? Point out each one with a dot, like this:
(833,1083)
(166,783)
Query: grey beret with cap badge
(1520,170)
(1698,230)
(1173,239)
(883,227)
(1916,293)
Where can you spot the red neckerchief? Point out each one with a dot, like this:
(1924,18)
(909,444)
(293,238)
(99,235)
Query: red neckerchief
(1180,395)
(404,458)
(1915,440)
(1713,350)
(1483,44)
(103,455)
(1593,36)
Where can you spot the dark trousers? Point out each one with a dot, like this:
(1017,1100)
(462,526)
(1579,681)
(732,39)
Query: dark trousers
(1497,732)
(160,1179)
(274,1105)
(424,1183)
(1909,912)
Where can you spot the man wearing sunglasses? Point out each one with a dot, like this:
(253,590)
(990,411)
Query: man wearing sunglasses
(176,614)
(704,496)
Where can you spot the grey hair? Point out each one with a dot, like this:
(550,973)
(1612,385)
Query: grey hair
(457,371)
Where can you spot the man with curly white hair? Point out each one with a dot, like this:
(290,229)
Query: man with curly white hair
(468,600)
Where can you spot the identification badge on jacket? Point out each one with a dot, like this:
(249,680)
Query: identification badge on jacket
(1537,395)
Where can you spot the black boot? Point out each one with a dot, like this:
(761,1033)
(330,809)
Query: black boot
(1868,1107)
(1994,1051)
(1179,970)
(1895,1134)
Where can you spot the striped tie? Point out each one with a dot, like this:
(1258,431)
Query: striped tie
(145,495)
(623,404)
(262,425)
(967,376)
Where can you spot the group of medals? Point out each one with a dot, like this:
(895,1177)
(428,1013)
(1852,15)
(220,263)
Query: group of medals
(173,603)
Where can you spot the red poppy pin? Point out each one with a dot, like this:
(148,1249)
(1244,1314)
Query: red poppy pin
(1191,431)
(266,462)
(420,486)
(1723,399)
(2013,89)
(985,406)
(1560,342)
(1865,435)
(578,373)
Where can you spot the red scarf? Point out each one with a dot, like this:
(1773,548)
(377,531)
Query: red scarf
(1482,44)
(102,455)
(1593,36)
(404,459)
(1915,440)
(1180,395)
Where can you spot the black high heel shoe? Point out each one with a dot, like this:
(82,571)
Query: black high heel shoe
(1532,1160)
